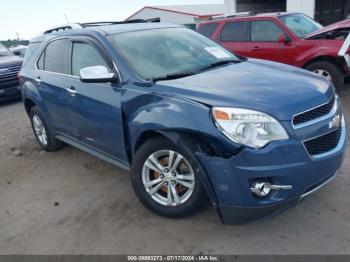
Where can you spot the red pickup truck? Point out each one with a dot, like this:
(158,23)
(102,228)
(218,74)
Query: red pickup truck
(290,38)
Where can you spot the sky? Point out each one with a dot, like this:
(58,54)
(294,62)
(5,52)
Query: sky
(29,18)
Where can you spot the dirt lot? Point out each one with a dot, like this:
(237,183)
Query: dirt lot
(69,202)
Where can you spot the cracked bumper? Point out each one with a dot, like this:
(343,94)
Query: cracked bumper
(281,163)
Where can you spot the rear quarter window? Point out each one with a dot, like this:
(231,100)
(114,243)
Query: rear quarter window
(30,51)
(208,29)
(235,32)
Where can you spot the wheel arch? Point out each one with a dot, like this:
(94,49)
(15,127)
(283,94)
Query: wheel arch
(338,61)
(194,144)
(29,104)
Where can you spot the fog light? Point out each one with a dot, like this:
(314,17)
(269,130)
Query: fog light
(263,189)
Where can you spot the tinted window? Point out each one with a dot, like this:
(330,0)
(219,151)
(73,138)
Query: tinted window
(265,31)
(208,29)
(86,55)
(56,56)
(234,32)
(30,51)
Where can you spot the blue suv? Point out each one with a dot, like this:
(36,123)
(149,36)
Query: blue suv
(190,120)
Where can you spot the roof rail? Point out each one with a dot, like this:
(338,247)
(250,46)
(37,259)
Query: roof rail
(62,28)
(242,14)
(94,24)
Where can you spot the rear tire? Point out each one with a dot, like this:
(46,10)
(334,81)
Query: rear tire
(42,131)
(183,201)
(329,70)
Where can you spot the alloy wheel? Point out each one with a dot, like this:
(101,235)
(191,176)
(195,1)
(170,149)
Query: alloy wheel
(324,73)
(168,178)
(40,130)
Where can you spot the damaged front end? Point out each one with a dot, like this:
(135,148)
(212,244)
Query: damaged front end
(338,31)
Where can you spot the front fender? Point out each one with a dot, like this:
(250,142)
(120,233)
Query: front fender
(328,48)
(186,123)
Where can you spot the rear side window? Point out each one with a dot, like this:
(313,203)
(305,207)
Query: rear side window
(234,32)
(54,58)
(86,55)
(265,31)
(208,29)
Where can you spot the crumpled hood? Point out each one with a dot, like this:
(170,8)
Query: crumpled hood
(276,89)
(345,24)
(10,60)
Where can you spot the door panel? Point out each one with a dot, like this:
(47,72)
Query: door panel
(55,97)
(50,79)
(97,117)
(264,43)
(233,37)
(95,108)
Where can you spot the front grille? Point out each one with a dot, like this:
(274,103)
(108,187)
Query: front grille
(8,77)
(314,113)
(323,144)
(9,82)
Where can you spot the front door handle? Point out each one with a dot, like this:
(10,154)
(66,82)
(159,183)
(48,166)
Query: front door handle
(72,91)
(256,48)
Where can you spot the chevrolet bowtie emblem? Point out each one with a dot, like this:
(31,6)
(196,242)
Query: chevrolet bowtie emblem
(335,123)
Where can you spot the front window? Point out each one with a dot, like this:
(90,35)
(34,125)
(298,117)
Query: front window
(265,31)
(4,51)
(300,24)
(158,53)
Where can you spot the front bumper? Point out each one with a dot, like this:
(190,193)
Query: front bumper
(9,93)
(280,163)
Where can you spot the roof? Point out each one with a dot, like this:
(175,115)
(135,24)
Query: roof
(244,16)
(202,10)
(107,30)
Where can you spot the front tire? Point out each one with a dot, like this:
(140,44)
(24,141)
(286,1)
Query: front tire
(330,71)
(42,131)
(166,181)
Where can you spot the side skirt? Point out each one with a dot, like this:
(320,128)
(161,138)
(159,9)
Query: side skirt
(92,151)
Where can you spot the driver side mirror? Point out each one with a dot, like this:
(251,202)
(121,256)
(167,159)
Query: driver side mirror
(284,39)
(97,74)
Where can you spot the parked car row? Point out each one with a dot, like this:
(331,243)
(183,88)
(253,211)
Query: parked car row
(289,38)
(190,120)
(10,66)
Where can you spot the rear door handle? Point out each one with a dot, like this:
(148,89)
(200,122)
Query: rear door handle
(72,91)
(38,80)
(256,48)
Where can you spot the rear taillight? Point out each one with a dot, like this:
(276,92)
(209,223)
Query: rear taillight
(19,78)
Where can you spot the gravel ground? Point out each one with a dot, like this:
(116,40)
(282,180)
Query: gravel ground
(69,202)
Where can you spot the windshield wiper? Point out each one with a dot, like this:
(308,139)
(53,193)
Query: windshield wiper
(174,76)
(195,71)
(216,64)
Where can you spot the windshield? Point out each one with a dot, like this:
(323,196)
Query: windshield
(158,53)
(300,24)
(4,51)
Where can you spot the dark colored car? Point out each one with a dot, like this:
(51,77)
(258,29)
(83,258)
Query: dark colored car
(10,65)
(290,38)
(189,119)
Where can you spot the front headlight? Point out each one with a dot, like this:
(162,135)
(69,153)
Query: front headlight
(248,127)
